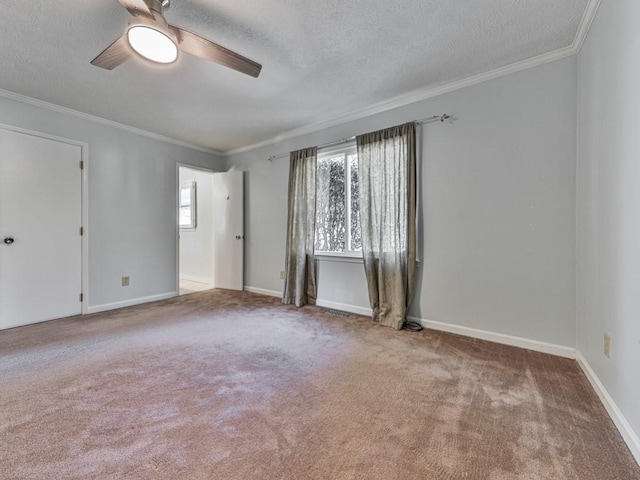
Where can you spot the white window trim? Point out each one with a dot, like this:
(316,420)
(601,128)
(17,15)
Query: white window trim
(347,181)
(347,149)
(353,257)
(194,196)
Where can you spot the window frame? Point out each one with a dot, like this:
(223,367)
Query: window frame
(191,185)
(347,150)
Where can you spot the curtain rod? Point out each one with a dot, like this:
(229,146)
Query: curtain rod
(435,118)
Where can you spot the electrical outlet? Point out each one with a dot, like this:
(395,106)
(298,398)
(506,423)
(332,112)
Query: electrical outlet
(125,281)
(607,345)
(282,276)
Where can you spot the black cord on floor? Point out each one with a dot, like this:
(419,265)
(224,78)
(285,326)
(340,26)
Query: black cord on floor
(412,327)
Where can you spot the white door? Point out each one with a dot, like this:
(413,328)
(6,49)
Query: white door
(228,231)
(40,219)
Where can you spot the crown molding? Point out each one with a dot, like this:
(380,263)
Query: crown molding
(430,92)
(397,102)
(415,96)
(103,121)
(585,25)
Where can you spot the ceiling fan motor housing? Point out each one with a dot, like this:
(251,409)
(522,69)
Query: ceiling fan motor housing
(156,20)
(158,5)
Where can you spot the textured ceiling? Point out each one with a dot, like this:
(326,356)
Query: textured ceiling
(321,58)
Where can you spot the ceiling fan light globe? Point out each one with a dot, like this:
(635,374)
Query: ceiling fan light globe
(152,44)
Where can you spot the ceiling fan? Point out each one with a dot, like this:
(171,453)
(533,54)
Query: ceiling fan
(150,36)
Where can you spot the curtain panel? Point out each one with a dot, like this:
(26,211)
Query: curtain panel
(300,279)
(387,176)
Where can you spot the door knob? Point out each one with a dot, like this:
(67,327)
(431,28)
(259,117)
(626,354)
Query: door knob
(8,241)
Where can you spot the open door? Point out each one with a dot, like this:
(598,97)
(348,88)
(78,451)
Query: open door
(228,230)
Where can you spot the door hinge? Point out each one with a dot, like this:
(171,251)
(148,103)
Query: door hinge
(81,231)
(81,164)
(82,297)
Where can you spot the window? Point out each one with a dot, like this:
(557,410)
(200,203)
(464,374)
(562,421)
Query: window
(187,207)
(337,203)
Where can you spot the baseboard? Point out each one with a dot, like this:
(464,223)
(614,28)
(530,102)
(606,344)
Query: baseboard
(320,303)
(194,278)
(629,436)
(130,303)
(262,291)
(343,307)
(535,345)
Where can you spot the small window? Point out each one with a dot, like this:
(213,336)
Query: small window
(337,203)
(187,207)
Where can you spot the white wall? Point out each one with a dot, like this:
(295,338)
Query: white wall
(499,207)
(608,220)
(196,246)
(342,284)
(132,202)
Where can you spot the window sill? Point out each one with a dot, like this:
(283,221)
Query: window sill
(338,257)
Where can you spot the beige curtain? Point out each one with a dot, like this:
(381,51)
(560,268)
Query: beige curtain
(300,280)
(387,176)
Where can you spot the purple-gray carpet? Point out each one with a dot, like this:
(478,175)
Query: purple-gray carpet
(225,385)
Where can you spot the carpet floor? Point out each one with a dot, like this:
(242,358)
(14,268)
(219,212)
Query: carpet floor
(232,385)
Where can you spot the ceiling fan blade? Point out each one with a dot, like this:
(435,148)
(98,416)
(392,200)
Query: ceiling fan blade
(115,54)
(194,44)
(137,8)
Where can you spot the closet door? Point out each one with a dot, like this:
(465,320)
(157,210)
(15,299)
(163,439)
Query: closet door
(40,219)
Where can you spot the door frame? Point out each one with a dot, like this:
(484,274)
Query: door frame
(84,203)
(180,165)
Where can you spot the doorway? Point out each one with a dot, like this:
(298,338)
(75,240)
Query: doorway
(195,227)
(210,230)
